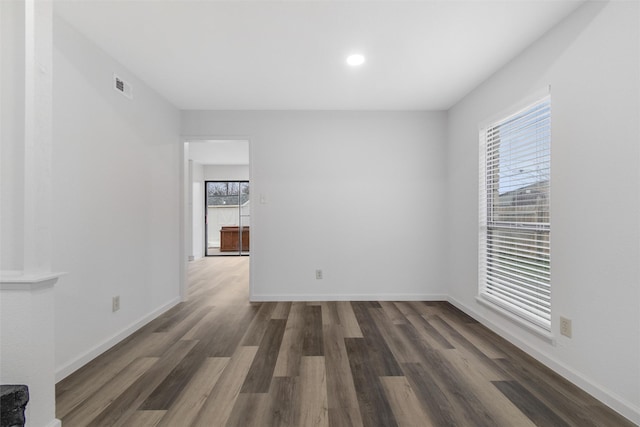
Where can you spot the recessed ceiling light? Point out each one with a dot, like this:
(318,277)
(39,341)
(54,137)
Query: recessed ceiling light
(355,60)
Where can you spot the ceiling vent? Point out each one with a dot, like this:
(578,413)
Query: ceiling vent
(123,87)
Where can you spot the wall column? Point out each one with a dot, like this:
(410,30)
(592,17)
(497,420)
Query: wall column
(26,279)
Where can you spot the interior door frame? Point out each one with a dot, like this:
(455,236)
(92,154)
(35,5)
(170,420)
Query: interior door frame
(184,211)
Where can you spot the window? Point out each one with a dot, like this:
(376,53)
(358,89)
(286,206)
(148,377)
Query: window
(514,253)
(226,193)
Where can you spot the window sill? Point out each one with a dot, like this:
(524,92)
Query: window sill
(538,331)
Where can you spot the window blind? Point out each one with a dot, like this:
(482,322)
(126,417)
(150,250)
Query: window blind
(514,253)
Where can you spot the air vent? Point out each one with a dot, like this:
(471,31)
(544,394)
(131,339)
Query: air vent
(123,87)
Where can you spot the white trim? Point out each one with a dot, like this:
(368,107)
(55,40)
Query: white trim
(615,402)
(55,423)
(66,370)
(19,281)
(349,297)
(183,214)
(520,321)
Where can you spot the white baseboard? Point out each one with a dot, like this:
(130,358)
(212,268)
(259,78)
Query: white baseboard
(624,408)
(351,297)
(85,358)
(55,423)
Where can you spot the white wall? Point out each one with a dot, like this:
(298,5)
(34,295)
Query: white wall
(328,179)
(226,172)
(591,62)
(12,110)
(115,162)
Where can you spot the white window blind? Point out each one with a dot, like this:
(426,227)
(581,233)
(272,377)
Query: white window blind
(514,255)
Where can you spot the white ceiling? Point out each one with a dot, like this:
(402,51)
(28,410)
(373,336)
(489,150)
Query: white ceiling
(220,152)
(290,55)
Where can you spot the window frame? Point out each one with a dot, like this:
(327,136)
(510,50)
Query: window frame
(491,225)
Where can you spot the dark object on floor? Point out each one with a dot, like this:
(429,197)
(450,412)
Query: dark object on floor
(12,405)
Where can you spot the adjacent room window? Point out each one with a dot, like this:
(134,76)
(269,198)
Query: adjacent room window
(514,255)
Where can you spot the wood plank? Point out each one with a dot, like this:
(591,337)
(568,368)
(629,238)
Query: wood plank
(546,377)
(130,399)
(345,417)
(313,392)
(144,419)
(428,332)
(76,389)
(200,330)
(249,410)
(168,390)
(224,340)
(259,377)
(374,407)
(421,308)
(284,403)
(312,336)
(400,345)
(350,326)
(341,392)
(380,357)
(100,399)
(91,377)
(468,331)
(539,413)
(607,417)
(467,348)
(176,333)
(406,309)
(218,406)
(571,412)
(282,310)
(288,362)
(258,326)
(330,315)
(186,407)
(502,410)
(451,311)
(174,317)
(406,408)
(436,402)
(393,313)
(467,406)
(276,408)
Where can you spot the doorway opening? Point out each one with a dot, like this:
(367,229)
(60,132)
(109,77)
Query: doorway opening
(227,218)
(217,195)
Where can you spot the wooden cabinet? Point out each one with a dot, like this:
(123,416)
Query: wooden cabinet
(229,239)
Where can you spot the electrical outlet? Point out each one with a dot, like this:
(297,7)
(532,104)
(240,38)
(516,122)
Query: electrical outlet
(115,303)
(318,274)
(565,327)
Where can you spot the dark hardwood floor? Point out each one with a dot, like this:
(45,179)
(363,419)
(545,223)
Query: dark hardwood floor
(218,360)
